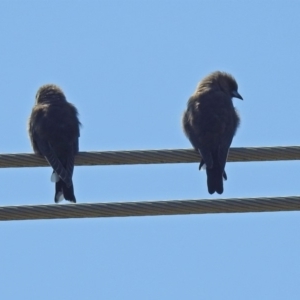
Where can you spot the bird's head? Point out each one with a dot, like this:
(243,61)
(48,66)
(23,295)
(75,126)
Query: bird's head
(49,93)
(220,81)
(228,84)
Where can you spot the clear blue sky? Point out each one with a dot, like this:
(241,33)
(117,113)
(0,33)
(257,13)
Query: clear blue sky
(129,67)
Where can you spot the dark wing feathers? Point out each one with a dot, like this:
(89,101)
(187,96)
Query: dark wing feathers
(210,122)
(44,148)
(55,139)
(54,132)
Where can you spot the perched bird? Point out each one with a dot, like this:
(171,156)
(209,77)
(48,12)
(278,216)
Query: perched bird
(54,133)
(210,122)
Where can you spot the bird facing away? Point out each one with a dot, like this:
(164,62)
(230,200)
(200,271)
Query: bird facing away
(210,122)
(54,133)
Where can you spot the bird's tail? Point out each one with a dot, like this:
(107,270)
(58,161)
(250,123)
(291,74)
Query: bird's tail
(63,191)
(215,179)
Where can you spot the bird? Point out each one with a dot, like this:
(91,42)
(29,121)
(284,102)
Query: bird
(54,130)
(210,123)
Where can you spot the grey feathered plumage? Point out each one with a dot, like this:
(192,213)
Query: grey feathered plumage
(210,122)
(54,132)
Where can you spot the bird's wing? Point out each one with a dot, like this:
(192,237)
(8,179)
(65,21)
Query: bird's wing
(193,136)
(207,158)
(224,149)
(47,151)
(70,164)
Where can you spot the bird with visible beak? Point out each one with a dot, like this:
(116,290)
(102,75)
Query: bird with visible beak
(210,122)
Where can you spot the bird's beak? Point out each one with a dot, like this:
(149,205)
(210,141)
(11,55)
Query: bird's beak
(236,95)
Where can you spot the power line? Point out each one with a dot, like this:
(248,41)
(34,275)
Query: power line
(153,208)
(93,158)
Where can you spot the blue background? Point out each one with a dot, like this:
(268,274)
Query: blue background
(130,67)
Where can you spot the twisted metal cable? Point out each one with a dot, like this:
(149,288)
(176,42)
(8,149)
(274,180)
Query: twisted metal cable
(93,158)
(154,208)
